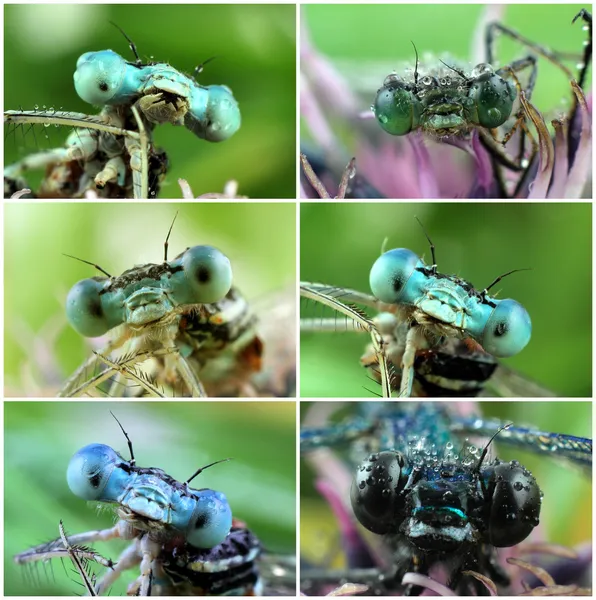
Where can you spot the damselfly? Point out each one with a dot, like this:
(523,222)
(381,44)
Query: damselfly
(221,344)
(151,508)
(484,107)
(424,478)
(452,364)
(114,151)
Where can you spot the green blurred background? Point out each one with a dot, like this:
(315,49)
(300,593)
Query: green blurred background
(258,238)
(477,241)
(367,42)
(566,511)
(256,57)
(179,437)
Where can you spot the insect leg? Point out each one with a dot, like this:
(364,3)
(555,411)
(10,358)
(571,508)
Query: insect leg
(363,321)
(139,162)
(414,341)
(73,385)
(129,558)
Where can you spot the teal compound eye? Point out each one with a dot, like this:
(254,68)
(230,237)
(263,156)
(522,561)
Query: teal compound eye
(99,76)
(206,276)
(85,310)
(394,277)
(89,471)
(492,98)
(508,329)
(397,109)
(214,114)
(211,520)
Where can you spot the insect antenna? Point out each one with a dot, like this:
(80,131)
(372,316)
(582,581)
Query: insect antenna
(131,44)
(485,290)
(415,66)
(432,246)
(199,68)
(88,263)
(455,70)
(165,244)
(132,456)
(485,449)
(206,467)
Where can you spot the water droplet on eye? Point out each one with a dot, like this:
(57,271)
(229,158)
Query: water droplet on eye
(580,66)
(44,106)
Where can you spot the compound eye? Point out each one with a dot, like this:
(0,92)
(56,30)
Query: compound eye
(390,274)
(211,520)
(376,492)
(397,109)
(508,329)
(99,75)
(223,114)
(515,504)
(89,470)
(208,272)
(84,308)
(493,100)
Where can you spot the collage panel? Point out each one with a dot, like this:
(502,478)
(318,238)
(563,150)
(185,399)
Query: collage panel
(400,498)
(231,97)
(440,336)
(209,536)
(430,110)
(216,320)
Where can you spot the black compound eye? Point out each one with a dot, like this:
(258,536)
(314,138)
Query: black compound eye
(515,504)
(376,491)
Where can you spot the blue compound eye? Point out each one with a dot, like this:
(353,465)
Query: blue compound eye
(211,521)
(508,329)
(89,470)
(99,76)
(208,272)
(84,309)
(391,273)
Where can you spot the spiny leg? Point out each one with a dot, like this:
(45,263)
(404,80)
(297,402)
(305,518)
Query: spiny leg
(314,293)
(73,385)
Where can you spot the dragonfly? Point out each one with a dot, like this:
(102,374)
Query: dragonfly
(442,506)
(450,101)
(112,154)
(433,334)
(184,540)
(180,325)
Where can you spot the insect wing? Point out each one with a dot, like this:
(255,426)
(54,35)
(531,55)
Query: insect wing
(568,449)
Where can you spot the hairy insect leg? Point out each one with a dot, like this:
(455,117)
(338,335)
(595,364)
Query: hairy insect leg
(56,548)
(314,293)
(73,385)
